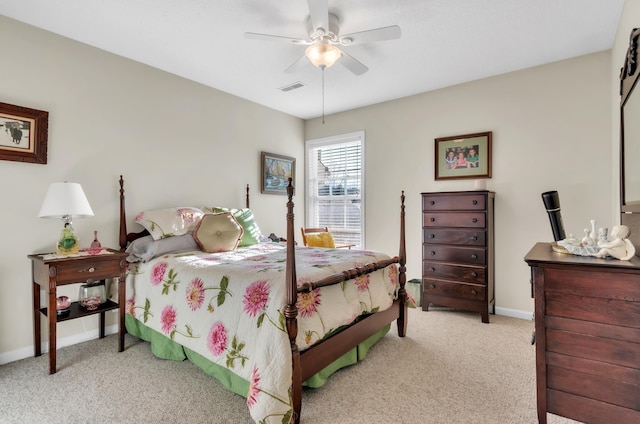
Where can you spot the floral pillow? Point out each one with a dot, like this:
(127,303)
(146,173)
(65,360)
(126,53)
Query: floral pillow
(163,223)
(252,234)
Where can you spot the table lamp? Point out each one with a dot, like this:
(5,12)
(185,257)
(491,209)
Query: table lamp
(66,201)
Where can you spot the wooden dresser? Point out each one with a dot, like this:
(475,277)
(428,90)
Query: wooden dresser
(587,321)
(458,251)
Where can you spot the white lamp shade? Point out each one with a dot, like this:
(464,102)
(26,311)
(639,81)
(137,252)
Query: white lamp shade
(65,200)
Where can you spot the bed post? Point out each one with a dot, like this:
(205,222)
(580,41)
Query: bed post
(402,274)
(291,310)
(123,220)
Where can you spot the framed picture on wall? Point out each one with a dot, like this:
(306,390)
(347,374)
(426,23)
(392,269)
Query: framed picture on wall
(23,134)
(276,171)
(463,156)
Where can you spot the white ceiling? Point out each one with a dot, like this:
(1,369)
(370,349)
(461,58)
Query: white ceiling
(443,42)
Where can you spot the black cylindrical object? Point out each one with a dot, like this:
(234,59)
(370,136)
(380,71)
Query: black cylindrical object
(552,204)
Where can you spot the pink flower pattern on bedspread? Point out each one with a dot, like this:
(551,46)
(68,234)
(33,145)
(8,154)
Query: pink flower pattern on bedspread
(227,306)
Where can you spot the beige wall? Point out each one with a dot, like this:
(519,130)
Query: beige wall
(176,143)
(551,131)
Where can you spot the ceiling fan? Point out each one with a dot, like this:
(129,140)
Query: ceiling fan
(324,37)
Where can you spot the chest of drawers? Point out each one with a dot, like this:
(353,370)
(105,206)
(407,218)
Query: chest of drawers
(587,321)
(458,251)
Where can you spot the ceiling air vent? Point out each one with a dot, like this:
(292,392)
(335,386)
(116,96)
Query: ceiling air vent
(291,87)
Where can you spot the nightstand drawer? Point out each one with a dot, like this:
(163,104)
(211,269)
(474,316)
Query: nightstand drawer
(475,201)
(464,255)
(467,274)
(80,271)
(454,236)
(453,219)
(457,290)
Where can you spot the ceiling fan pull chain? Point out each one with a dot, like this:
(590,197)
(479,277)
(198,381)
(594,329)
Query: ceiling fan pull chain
(323,95)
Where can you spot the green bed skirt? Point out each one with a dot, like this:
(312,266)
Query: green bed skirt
(165,348)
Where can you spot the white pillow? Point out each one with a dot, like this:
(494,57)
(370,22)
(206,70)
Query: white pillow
(163,223)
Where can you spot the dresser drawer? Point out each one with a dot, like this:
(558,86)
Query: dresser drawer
(442,271)
(81,271)
(463,255)
(454,236)
(470,202)
(457,290)
(454,219)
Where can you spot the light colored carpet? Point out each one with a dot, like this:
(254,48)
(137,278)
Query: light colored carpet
(450,368)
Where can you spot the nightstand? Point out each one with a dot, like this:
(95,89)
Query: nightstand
(53,272)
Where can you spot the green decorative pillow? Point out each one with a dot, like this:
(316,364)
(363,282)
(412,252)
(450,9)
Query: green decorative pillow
(218,232)
(252,234)
(320,240)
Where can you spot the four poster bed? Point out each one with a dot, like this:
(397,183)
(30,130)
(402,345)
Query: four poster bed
(251,317)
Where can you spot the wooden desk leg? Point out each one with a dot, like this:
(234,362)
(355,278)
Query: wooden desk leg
(53,321)
(122,302)
(37,335)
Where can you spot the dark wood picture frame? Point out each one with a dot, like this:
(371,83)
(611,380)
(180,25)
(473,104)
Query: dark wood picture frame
(23,134)
(276,171)
(454,156)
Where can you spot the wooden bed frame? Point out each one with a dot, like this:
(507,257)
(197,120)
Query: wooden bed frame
(310,361)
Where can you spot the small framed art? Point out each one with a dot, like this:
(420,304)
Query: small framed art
(463,156)
(23,134)
(276,171)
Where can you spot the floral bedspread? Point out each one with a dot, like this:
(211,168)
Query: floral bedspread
(228,307)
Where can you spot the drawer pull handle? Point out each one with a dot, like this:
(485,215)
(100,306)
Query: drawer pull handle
(90,269)
(433,252)
(433,286)
(432,269)
(473,292)
(432,202)
(432,236)
(474,220)
(475,202)
(474,274)
(474,256)
(475,238)
(432,219)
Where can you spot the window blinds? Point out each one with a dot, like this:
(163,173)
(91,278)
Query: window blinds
(335,187)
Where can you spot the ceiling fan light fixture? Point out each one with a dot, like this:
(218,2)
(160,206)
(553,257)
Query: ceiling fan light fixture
(323,55)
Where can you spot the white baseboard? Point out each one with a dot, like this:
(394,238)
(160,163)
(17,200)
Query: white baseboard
(514,313)
(26,352)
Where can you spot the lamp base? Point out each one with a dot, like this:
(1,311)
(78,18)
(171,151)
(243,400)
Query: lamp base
(68,242)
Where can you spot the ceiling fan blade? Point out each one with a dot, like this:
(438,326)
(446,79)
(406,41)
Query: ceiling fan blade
(298,65)
(370,36)
(319,12)
(352,64)
(268,37)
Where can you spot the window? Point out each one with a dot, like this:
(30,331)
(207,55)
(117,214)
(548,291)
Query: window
(335,186)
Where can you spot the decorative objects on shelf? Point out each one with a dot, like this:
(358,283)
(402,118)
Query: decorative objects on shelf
(63,305)
(66,201)
(620,247)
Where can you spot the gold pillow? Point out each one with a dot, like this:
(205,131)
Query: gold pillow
(320,240)
(218,232)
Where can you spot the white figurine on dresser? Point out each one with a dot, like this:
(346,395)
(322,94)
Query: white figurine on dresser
(620,247)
